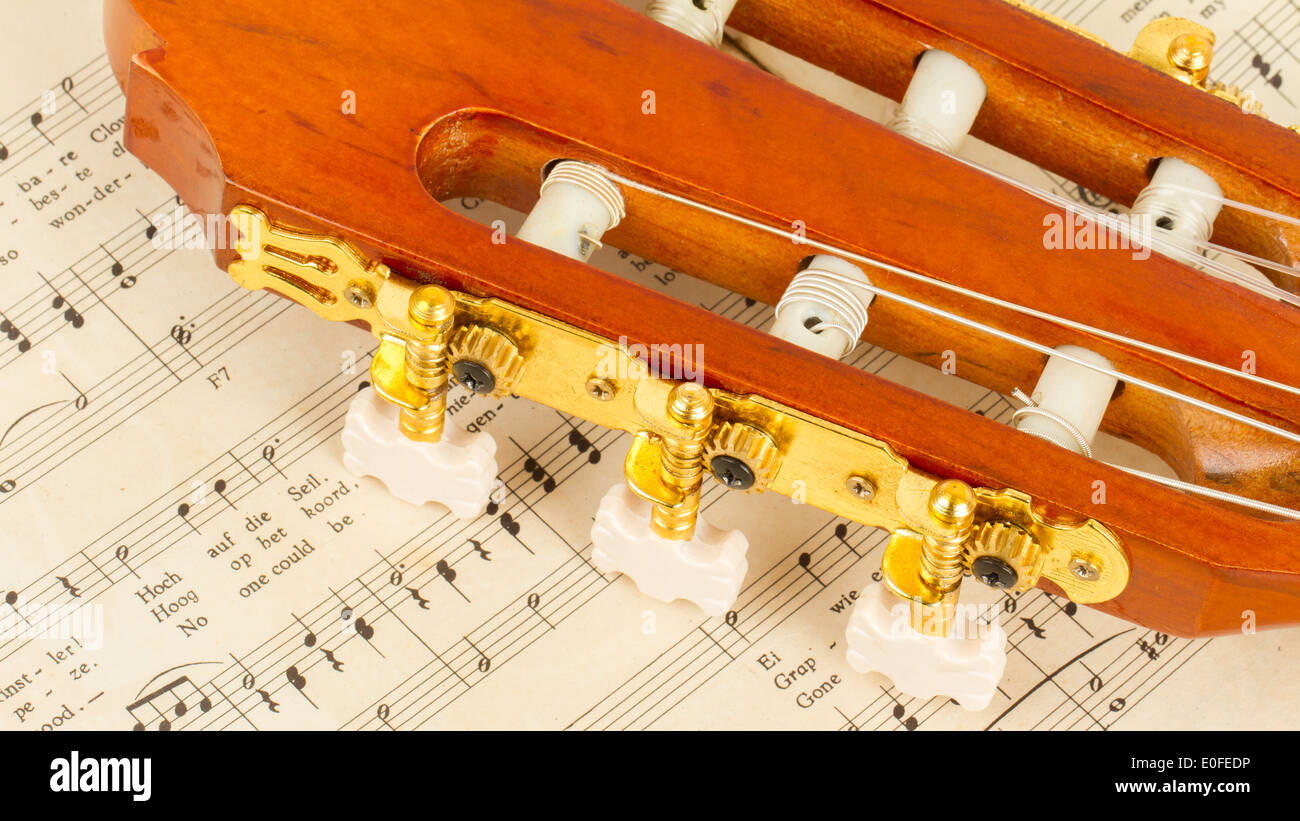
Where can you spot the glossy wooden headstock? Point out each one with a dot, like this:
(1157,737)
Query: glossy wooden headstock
(240,103)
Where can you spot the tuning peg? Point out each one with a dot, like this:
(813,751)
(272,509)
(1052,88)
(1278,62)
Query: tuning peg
(1069,401)
(881,640)
(706,569)
(457,471)
(821,310)
(649,528)
(1182,202)
(909,628)
(396,430)
(941,102)
(703,20)
(578,204)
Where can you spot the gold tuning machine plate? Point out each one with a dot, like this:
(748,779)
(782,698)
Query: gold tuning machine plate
(844,472)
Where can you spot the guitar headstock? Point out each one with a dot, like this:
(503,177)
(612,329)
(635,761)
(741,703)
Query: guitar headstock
(330,137)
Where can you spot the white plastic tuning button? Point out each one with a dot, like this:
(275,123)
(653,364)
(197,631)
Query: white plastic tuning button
(1069,401)
(457,471)
(821,309)
(706,569)
(649,528)
(419,454)
(703,20)
(961,667)
(910,627)
(941,102)
(578,204)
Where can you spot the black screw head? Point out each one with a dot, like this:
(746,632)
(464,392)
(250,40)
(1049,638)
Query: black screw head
(994,572)
(733,473)
(475,376)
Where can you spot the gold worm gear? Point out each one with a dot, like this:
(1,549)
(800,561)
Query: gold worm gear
(1014,547)
(749,445)
(491,349)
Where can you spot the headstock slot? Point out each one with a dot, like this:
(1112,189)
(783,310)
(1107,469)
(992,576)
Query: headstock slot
(491,155)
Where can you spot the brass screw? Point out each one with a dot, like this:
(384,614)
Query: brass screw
(952,517)
(681,459)
(359,295)
(599,389)
(861,487)
(1191,53)
(431,311)
(1084,569)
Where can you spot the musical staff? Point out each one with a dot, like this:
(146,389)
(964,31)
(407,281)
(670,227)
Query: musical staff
(28,130)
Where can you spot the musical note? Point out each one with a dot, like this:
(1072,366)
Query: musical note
(362,629)
(249,682)
(122,553)
(841,533)
(61,303)
(308,640)
(299,682)
(510,526)
(484,663)
(182,335)
(534,602)
(1265,67)
(36,119)
(82,400)
(183,510)
(539,474)
(805,561)
(10,330)
(732,618)
(4,152)
(909,722)
(151,229)
(485,555)
(582,443)
(179,709)
(268,454)
(448,573)
(219,487)
(117,268)
(67,86)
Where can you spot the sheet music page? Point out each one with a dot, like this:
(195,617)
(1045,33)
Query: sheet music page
(182,548)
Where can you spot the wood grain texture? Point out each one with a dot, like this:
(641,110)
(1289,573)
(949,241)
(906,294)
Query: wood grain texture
(240,102)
